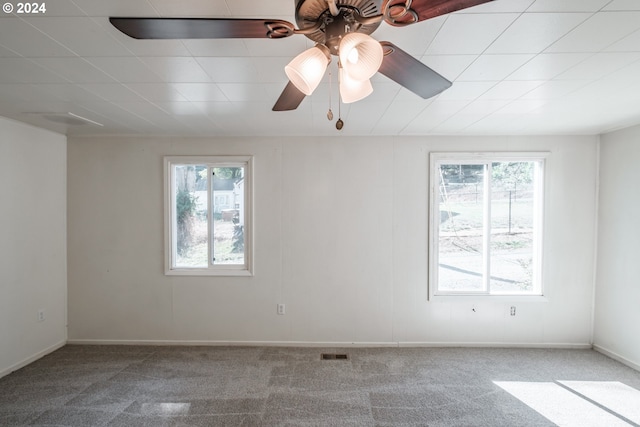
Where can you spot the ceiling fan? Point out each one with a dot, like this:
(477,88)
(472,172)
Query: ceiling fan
(339,27)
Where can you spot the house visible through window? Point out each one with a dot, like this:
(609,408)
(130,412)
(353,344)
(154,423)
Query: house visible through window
(208,215)
(486,223)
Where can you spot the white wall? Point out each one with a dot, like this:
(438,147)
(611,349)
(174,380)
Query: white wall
(350,265)
(33,254)
(618,276)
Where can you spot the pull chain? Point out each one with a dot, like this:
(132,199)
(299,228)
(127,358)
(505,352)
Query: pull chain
(339,123)
(330,113)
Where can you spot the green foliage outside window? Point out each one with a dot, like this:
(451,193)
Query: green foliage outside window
(185,212)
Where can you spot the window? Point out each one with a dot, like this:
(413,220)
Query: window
(486,223)
(208,215)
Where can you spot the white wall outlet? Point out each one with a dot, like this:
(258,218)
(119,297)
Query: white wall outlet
(41,315)
(512,311)
(281,309)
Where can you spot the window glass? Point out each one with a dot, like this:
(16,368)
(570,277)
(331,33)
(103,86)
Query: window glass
(512,226)
(190,219)
(461,225)
(228,215)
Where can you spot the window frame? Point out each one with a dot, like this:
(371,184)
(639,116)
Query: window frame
(170,236)
(437,158)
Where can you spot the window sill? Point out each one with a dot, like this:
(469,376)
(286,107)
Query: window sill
(208,272)
(486,297)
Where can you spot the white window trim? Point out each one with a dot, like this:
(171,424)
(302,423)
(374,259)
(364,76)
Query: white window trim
(436,158)
(245,269)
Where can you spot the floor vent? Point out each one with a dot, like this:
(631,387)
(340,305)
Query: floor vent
(334,356)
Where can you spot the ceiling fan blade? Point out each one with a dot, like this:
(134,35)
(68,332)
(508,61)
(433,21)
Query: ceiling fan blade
(404,69)
(202,28)
(405,12)
(289,99)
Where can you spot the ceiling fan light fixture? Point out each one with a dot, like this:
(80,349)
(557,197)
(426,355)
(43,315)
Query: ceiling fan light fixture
(360,55)
(340,27)
(306,70)
(353,90)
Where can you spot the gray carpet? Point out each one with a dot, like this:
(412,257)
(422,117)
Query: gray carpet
(273,386)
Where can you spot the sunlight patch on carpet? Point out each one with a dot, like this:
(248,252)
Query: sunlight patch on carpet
(561,406)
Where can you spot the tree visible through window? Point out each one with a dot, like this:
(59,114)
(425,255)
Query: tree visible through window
(486,224)
(208,208)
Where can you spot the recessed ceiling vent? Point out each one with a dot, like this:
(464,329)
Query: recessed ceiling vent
(69,119)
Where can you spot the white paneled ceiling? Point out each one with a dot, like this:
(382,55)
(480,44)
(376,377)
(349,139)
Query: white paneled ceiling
(517,67)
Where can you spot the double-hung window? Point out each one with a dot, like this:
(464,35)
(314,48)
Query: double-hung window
(486,223)
(208,215)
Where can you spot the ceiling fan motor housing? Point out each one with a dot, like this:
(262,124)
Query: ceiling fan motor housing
(333,28)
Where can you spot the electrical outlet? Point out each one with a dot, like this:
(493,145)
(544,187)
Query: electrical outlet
(281,309)
(513,310)
(41,315)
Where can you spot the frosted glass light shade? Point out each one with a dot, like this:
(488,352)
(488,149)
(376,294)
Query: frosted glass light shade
(305,71)
(364,63)
(353,90)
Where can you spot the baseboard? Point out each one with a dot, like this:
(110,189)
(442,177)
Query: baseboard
(324,344)
(617,357)
(232,343)
(576,346)
(32,359)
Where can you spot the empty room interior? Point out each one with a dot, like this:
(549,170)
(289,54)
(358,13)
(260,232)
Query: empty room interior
(320,212)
